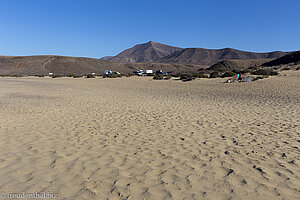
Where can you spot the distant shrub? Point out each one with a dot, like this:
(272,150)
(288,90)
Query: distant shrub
(70,75)
(176,75)
(187,77)
(112,75)
(126,74)
(150,74)
(214,75)
(245,71)
(77,76)
(17,75)
(167,77)
(90,76)
(56,76)
(203,76)
(228,74)
(285,68)
(200,75)
(298,68)
(265,72)
(158,77)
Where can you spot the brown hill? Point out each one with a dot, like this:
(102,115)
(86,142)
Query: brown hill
(210,56)
(291,58)
(141,53)
(237,64)
(42,65)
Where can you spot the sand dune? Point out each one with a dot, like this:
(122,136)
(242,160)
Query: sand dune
(135,138)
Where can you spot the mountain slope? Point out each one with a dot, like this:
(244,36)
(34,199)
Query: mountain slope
(42,65)
(291,58)
(229,65)
(208,57)
(141,53)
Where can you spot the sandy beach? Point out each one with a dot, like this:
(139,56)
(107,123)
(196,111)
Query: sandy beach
(137,138)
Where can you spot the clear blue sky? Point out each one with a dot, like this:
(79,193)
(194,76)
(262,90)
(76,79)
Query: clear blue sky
(95,28)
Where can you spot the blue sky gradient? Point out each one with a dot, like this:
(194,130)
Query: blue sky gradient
(94,28)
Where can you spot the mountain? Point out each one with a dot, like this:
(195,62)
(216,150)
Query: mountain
(161,53)
(208,57)
(144,53)
(150,55)
(106,57)
(291,58)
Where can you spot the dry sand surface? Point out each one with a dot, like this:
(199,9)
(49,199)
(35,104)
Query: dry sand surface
(135,138)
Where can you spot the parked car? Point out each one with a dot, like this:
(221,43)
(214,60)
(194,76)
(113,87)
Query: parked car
(158,72)
(108,72)
(138,72)
(149,71)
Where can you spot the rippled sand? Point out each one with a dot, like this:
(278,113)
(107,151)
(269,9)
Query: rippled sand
(135,138)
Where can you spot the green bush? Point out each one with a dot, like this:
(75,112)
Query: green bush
(266,72)
(214,75)
(17,75)
(40,75)
(167,77)
(187,77)
(90,76)
(112,75)
(56,76)
(176,75)
(228,74)
(77,76)
(70,75)
(200,75)
(285,68)
(298,68)
(158,77)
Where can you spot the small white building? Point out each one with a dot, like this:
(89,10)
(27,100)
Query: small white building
(50,74)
